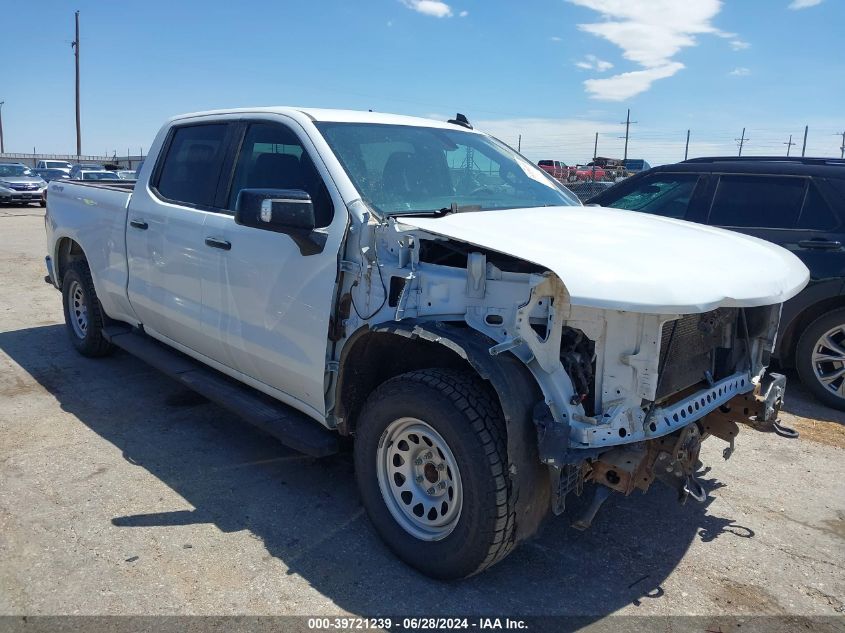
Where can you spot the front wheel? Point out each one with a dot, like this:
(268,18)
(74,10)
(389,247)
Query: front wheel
(84,317)
(820,358)
(431,464)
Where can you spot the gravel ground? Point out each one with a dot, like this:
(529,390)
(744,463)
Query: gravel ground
(121,493)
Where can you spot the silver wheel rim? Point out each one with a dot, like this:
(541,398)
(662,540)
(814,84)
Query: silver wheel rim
(419,479)
(78,309)
(829,360)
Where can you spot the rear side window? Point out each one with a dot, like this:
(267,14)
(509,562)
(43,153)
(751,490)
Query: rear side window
(817,214)
(191,169)
(758,201)
(545,163)
(668,195)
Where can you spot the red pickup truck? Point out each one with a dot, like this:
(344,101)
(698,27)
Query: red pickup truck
(554,168)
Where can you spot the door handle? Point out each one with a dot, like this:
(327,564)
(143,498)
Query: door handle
(826,245)
(215,242)
(139,224)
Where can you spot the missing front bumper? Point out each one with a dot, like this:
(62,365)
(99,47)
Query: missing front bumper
(673,458)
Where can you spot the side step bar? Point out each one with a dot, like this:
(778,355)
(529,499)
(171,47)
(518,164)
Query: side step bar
(289,426)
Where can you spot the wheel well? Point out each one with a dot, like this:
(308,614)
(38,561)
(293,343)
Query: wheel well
(375,357)
(66,252)
(799,324)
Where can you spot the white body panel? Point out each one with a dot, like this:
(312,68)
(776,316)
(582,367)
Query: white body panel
(622,260)
(95,218)
(261,311)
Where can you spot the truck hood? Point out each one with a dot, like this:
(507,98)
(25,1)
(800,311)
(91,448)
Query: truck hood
(624,260)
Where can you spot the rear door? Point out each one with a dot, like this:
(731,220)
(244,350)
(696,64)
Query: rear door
(791,211)
(169,262)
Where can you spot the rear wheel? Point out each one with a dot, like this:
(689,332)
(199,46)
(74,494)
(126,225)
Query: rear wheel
(430,459)
(820,358)
(84,317)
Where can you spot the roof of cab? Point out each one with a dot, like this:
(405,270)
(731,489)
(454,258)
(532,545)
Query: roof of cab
(335,116)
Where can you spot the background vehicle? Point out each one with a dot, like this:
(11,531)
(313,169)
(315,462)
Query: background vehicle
(97,175)
(798,203)
(19,184)
(77,169)
(635,165)
(52,174)
(327,272)
(54,164)
(554,168)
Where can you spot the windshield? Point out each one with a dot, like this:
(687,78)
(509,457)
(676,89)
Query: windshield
(57,164)
(401,169)
(15,170)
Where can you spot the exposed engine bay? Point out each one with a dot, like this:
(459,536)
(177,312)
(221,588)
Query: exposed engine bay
(628,396)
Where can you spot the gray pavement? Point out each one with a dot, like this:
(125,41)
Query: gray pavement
(121,493)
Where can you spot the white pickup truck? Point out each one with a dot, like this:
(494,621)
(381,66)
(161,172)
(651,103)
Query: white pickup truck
(490,345)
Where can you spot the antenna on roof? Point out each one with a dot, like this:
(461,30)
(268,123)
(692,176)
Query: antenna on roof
(461,120)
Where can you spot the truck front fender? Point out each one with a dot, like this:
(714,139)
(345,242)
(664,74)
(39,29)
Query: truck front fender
(514,385)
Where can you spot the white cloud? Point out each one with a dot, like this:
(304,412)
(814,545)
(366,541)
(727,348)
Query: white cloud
(555,38)
(626,85)
(591,62)
(804,4)
(650,33)
(434,8)
(740,71)
(739,45)
(463,14)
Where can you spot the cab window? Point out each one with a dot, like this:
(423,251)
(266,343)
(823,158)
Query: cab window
(190,171)
(273,157)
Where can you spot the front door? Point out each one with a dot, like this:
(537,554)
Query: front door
(270,305)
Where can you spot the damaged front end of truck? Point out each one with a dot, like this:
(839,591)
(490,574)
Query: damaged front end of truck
(625,395)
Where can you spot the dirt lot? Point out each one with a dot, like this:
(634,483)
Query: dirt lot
(120,493)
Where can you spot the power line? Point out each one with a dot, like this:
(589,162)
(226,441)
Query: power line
(627,122)
(75,46)
(789,144)
(741,141)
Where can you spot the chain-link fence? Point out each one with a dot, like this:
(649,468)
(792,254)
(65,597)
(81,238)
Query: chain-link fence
(586,189)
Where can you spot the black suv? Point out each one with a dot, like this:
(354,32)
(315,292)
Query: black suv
(797,203)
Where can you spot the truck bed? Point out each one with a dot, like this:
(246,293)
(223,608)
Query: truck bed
(93,214)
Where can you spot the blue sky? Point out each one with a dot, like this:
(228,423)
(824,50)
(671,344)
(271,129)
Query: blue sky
(555,71)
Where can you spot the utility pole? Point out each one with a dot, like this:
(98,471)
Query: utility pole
(842,148)
(595,153)
(804,146)
(2,147)
(789,144)
(741,141)
(686,150)
(519,144)
(627,123)
(75,46)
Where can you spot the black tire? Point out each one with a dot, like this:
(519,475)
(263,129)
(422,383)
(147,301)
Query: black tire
(42,204)
(804,358)
(465,412)
(90,341)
